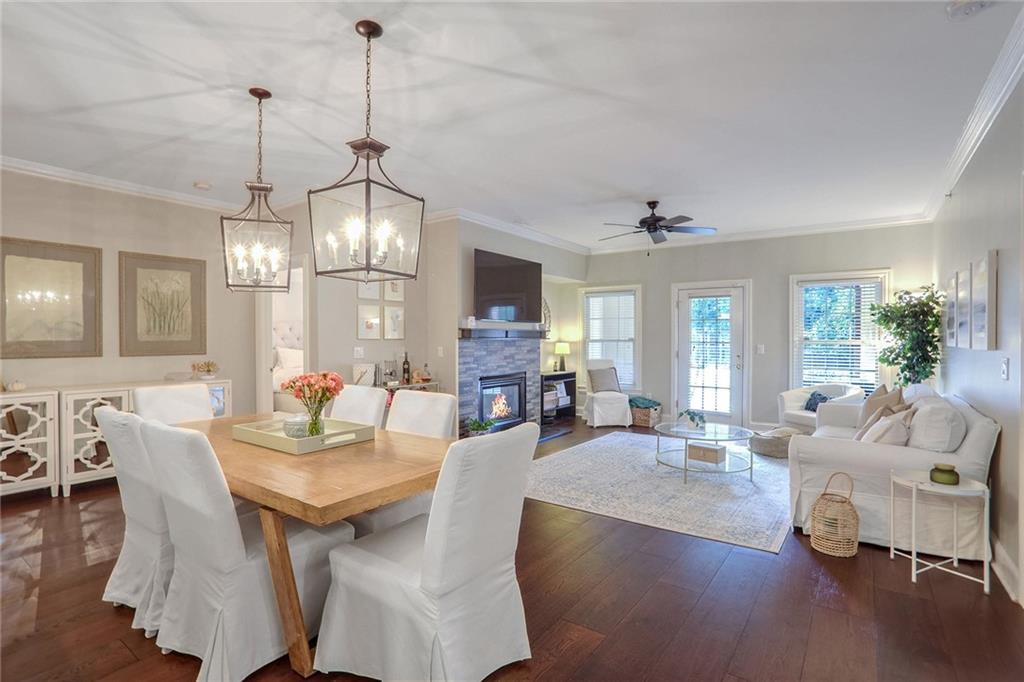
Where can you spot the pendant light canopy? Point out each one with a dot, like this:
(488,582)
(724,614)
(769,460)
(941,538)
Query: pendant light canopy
(365,227)
(257,241)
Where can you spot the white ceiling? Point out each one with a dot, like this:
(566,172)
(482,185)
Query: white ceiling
(749,117)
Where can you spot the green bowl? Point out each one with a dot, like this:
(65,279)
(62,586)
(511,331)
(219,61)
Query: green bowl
(945,474)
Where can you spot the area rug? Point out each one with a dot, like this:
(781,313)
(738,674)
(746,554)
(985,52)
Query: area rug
(616,475)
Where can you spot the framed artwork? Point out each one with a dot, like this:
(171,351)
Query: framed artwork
(163,305)
(983,302)
(363,373)
(394,290)
(963,308)
(368,322)
(50,299)
(368,290)
(949,323)
(394,322)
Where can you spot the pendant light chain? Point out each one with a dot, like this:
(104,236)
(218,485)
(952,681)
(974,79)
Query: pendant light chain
(368,41)
(259,140)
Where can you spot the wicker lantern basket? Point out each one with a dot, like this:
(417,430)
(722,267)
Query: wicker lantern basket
(835,525)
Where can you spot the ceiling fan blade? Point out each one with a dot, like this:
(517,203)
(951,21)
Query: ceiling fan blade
(675,220)
(658,237)
(635,227)
(620,235)
(692,229)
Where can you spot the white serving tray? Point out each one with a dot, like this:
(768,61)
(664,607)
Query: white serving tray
(270,434)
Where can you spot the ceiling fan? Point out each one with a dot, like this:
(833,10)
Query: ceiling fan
(656,226)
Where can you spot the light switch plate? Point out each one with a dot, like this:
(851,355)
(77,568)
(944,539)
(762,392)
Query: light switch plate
(1004,369)
(440,351)
(358,353)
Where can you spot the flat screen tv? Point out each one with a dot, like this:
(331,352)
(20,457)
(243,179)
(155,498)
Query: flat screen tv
(506,288)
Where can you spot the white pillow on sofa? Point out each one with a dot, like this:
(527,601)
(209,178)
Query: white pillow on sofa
(937,426)
(915,392)
(887,431)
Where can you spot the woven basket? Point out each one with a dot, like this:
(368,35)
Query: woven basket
(835,525)
(645,416)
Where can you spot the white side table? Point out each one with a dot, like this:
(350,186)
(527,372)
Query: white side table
(920,482)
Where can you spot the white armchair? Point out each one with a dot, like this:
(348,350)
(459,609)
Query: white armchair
(605,407)
(791,403)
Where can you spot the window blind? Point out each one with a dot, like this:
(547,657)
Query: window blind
(609,331)
(835,339)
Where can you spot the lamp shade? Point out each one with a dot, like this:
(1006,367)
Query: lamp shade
(561,348)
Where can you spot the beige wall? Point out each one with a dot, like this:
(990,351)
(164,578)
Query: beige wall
(51,210)
(984,212)
(769,263)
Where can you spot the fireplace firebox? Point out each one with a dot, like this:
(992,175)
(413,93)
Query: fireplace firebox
(503,400)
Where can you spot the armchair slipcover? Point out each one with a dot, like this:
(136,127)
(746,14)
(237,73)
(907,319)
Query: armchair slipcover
(791,403)
(436,598)
(606,408)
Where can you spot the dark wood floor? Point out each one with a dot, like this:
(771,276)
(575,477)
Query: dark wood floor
(605,600)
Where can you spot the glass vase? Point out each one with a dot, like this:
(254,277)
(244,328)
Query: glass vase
(316,422)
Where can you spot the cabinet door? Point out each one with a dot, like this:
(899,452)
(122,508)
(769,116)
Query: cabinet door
(220,399)
(85,452)
(28,442)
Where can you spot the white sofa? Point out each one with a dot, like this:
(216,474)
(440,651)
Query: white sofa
(791,403)
(812,459)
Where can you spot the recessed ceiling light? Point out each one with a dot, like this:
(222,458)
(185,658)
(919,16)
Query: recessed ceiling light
(202,185)
(959,10)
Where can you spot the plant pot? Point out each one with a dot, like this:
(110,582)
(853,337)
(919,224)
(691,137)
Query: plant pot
(946,474)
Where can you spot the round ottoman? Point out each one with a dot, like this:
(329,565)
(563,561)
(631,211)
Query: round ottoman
(774,443)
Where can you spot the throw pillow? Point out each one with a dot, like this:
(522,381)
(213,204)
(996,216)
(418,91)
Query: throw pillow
(604,380)
(915,392)
(888,431)
(937,426)
(883,411)
(817,398)
(877,399)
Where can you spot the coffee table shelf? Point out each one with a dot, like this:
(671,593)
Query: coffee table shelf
(735,463)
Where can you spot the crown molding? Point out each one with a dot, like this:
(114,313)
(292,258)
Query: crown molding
(43,170)
(515,229)
(1000,84)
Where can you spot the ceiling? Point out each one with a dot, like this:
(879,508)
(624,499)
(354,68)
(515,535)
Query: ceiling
(751,117)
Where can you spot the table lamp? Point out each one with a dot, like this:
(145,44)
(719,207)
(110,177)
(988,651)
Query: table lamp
(561,350)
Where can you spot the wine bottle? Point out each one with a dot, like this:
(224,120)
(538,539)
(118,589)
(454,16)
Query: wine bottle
(406,371)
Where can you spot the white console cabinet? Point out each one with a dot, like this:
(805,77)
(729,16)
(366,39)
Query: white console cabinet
(29,441)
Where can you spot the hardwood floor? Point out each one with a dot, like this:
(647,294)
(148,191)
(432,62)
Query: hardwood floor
(605,600)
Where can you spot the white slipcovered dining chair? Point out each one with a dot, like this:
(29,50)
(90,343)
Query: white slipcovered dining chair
(173,404)
(361,404)
(424,414)
(143,568)
(436,597)
(220,603)
(606,404)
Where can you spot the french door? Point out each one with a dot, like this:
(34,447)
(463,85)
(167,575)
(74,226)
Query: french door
(710,353)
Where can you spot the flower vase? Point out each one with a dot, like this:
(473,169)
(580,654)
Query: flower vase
(316,425)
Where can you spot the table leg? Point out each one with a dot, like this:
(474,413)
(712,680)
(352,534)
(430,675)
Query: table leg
(288,605)
(913,534)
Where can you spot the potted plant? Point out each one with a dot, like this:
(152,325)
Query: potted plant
(695,417)
(477,427)
(314,391)
(913,322)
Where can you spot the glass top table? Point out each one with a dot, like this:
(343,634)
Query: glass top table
(734,463)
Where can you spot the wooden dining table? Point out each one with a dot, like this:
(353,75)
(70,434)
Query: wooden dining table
(320,488)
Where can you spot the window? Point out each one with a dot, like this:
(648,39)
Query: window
(611,324)
(834,338)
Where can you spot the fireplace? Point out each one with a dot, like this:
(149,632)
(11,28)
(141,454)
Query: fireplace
(503,399)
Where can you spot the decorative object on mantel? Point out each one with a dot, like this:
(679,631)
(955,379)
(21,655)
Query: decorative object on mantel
(53,299)
(475,427)
(914,322)
(695,417)
(835,524)
(314,391)
(207,369)
(366,228)
(561,350)
(946,474)
(163,305)
(257,242)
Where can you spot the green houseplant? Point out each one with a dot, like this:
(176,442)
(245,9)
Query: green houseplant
(914,322)
(477,427)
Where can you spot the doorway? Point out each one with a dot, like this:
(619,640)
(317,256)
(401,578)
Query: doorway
(710,351)
(283,347)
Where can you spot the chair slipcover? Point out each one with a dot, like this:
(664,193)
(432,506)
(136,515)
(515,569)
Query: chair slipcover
(143,569)
(220,604)
(791,403)
(436,597)
(361,404)
(424,414)
(173,404)
(606,408)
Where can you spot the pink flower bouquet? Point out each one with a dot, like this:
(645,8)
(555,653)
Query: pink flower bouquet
(314,391)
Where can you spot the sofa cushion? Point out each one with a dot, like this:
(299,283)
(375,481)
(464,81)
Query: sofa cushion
(937,426)
(914,392)
(842,432)
(879,399)
(804,417)
(816,398)
(883,411)
(888,431)
(606,379)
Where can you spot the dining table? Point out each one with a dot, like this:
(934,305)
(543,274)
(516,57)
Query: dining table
(320,488)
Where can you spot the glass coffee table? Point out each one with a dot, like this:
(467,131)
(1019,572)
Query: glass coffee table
(735,463)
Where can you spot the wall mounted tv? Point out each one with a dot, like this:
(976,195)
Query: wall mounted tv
(506,288)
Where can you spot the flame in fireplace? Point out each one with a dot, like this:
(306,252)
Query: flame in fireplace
(500,408)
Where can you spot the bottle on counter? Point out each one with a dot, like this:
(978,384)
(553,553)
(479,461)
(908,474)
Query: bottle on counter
(406,370)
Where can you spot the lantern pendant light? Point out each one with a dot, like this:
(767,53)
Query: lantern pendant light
(257,241)
(365,227)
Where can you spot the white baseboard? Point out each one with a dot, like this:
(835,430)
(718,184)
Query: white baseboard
(1005,570)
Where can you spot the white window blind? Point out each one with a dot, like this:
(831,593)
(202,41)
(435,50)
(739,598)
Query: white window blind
(834,338)
(609,331)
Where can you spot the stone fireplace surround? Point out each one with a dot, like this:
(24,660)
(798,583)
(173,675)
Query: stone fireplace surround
(483,357)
